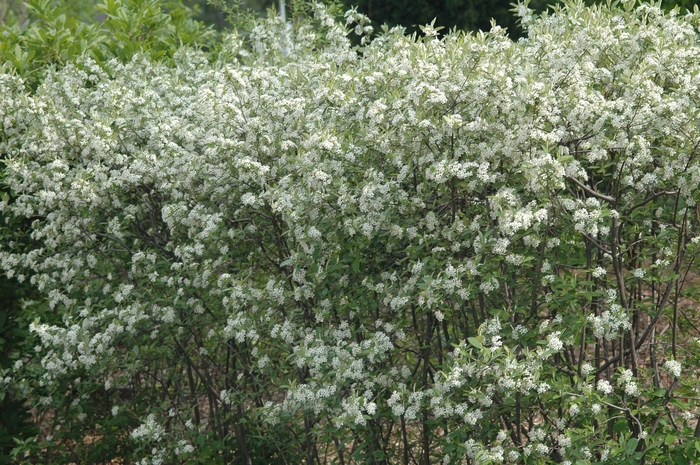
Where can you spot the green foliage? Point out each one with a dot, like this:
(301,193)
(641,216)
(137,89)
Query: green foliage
(14,344)
(54,36)
(460,14)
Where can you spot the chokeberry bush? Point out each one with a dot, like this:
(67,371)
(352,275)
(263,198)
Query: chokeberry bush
(420,249)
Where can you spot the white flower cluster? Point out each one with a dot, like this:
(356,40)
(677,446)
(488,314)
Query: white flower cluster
(610,322)
(673,367)
(149,431)
(630,385)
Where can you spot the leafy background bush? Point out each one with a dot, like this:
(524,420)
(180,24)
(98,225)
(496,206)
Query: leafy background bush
(434,249)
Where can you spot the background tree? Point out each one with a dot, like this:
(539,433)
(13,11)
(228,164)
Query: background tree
(467,15)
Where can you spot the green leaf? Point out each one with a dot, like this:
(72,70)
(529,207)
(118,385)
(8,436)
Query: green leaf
(356,266)
(475,342)
(679,458)
(621,425)
(631,445)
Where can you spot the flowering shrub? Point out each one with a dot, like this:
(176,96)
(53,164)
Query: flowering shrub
(434,250)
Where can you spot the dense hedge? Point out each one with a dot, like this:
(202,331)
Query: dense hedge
(435,250)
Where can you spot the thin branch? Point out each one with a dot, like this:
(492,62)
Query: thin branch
(590,191)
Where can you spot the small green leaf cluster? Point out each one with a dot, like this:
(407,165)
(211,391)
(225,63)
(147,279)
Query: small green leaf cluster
(54,35)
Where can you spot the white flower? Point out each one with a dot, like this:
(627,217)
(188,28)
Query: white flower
(501,246)
(586,369)
(226,397)
(632,389)
(586,452)
(563,441)
(610,321)
(542,449)
(673,367)
(371,408)
(599,272)
(150,430)
(473,417)
(554,343)
(625,377)
(314,233)
(604,386)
